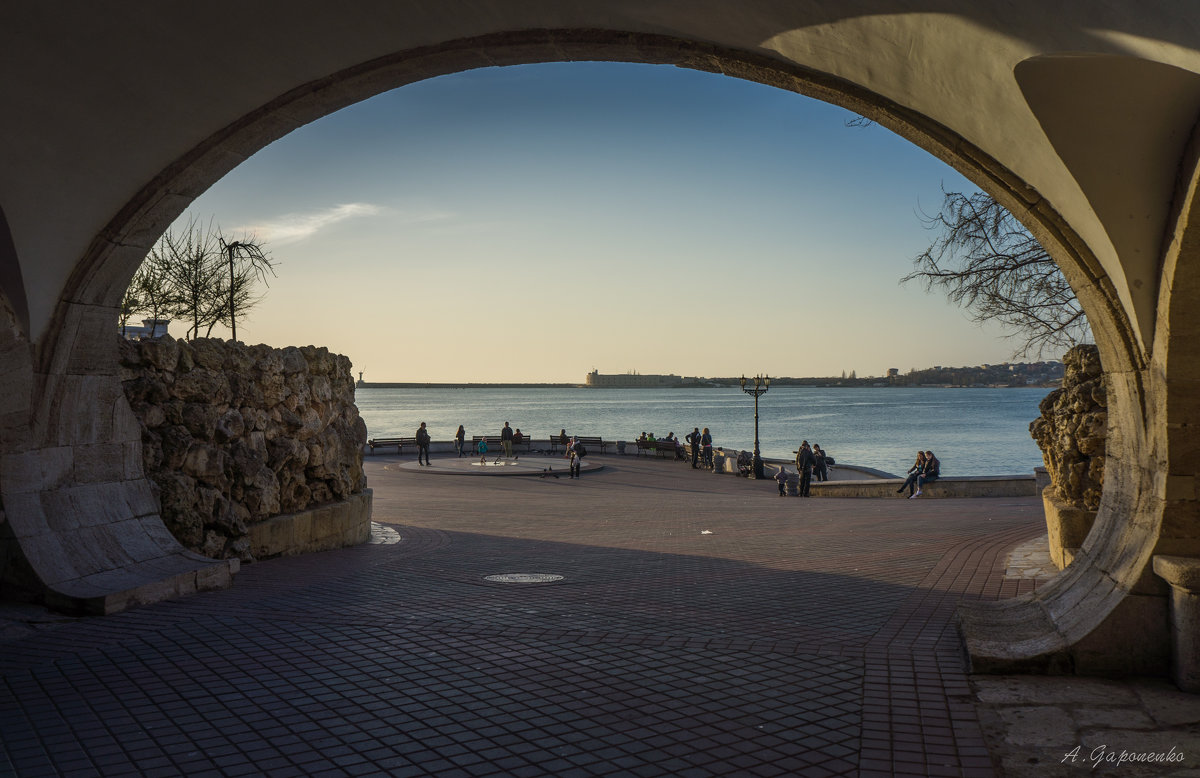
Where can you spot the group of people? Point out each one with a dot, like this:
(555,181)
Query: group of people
(698,441)
(508,438)
(810,461)
(701,443)
(926,469)
(647,439)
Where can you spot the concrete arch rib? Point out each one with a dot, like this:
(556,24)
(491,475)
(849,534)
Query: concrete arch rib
(1043,633)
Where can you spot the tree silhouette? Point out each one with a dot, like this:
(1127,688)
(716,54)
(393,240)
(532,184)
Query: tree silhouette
(987,262)
(195,274)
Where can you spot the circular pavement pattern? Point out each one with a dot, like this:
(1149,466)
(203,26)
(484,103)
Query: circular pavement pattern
(529,465)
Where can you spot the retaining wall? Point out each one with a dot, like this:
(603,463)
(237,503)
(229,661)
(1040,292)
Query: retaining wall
(236,436)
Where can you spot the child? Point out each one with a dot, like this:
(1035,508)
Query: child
(482,451)
(782,477)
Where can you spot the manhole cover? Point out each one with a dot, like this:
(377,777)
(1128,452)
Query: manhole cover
(523,578)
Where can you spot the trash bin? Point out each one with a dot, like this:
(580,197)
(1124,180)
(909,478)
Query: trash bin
(621,447)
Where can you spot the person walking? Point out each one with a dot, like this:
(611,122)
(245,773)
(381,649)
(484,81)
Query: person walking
(693,439)
(422,444)
(781,477)
(805,461)
(460,438)
(506,438)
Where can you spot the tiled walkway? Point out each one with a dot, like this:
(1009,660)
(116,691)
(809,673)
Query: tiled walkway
(703,627)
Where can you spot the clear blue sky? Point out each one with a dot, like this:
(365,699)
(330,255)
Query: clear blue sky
(531,223)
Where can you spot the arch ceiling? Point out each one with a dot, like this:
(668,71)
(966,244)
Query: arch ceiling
(108,95)
(1080,116)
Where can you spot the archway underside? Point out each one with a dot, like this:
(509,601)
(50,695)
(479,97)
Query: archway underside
(1074,624)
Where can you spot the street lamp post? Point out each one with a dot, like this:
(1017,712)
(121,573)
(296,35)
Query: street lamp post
(761,385)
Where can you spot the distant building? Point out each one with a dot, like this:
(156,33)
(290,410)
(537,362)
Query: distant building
(892,372)
(632,379)
(151,328)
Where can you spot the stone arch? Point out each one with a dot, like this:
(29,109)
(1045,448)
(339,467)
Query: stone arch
(1031,632)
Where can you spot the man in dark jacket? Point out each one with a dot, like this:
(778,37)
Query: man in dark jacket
(805,461)
(693,439)
(506,437)
(422,444)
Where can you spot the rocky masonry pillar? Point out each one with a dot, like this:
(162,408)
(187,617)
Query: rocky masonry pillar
(1183,574)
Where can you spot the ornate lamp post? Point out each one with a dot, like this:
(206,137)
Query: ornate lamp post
(761,385)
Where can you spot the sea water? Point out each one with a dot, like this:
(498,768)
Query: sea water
(973,431)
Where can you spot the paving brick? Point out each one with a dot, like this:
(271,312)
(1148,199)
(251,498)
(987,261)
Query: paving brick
(788,642)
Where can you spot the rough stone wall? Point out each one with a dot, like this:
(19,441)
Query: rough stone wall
(1073,428)
(234,434)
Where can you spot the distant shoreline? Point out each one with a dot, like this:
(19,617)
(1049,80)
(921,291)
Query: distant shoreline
(803,382)
(438,385)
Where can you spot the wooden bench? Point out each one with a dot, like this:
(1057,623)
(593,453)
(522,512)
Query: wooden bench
(399,443)
(588,443)
(663,446)
(592,443)
(668,448)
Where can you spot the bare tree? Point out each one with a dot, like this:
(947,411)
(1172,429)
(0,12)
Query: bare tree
(151,288)
(249,265)
(130,304)
(987,262)
(192,260)
(195,274)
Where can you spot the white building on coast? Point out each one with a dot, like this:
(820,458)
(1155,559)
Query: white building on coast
(632,379)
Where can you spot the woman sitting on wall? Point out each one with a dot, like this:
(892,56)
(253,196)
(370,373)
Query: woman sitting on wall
(932,470)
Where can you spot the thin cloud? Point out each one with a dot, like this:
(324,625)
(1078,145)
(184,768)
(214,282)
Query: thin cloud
(295,227)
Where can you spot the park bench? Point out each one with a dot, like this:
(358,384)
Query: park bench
(399,443)
(664,447)
(592,443)
(588,443)
(667,448)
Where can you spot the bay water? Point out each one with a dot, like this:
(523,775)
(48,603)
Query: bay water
(973,431)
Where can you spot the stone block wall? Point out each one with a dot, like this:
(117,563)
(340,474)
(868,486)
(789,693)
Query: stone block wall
(233,435)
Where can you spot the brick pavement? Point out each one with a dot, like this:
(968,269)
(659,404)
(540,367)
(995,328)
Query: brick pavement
(703,627)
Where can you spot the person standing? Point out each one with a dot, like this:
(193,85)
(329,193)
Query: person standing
(693,439)
(578,452)
(422,444)
(706,444)
(460,438)
(506,437)
(805,461)
(820,469)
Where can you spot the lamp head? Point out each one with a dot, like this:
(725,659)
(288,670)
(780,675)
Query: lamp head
(743,382)
(767,382)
